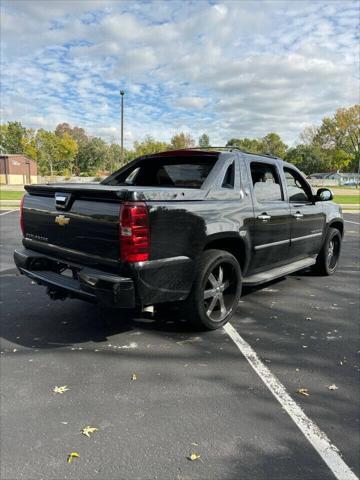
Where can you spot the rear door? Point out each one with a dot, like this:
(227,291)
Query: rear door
(270,232)
(308,219)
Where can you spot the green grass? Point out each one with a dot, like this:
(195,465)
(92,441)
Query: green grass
(11,195)
(347,199)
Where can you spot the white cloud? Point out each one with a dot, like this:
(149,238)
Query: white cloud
(229,69)
(190,102)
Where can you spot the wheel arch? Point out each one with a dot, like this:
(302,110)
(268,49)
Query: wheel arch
(338,224)
(231,242)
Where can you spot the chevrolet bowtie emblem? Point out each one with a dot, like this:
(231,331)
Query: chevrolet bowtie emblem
(62,220)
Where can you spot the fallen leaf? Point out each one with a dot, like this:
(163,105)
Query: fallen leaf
(133,376)
(88,430)
(333,387)
(71,456)
(194,456)
(61,389)
(303,391)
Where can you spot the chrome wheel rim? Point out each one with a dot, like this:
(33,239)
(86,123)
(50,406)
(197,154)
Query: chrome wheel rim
(220,291)
(333,252)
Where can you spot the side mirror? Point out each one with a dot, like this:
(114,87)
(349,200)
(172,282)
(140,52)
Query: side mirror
(324,195)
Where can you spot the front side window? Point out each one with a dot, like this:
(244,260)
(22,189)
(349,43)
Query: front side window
(266,182)
(298,189)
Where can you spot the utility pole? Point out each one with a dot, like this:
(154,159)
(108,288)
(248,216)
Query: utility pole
(122,93)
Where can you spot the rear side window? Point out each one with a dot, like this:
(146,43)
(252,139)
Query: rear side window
(266,182)
(167,172)
(229,177)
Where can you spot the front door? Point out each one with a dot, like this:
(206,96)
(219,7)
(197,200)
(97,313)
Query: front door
(270,232)
(308,219)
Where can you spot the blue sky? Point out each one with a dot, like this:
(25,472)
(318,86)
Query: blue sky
(227,68)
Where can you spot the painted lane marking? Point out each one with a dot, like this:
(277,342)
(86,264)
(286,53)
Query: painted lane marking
(328,452)
(355,223)
(10,211)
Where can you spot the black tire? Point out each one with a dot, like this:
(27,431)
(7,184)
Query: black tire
(328,259)
(216,290)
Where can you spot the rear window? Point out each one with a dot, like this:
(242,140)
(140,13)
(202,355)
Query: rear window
(165,172)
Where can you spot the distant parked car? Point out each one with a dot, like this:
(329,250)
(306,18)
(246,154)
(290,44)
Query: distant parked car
(351,183)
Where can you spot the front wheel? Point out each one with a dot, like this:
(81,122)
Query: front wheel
(328,258)
(216,290)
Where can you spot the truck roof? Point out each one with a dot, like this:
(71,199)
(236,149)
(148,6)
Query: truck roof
(209,151)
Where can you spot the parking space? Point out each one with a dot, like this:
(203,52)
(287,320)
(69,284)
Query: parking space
(192,392)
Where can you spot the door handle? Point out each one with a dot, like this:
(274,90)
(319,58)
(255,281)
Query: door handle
(298,215)
(264,216)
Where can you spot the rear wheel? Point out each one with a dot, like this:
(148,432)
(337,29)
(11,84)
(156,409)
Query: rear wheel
(328,258)
(216,290)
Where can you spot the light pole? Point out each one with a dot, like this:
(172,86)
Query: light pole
(122,93)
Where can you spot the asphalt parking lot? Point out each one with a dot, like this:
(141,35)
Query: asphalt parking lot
(194,392)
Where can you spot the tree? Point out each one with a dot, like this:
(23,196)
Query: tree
(251,145)
(113,157)
(342,132)
(47,146)
(308,158)
(67,149)
(92,156)
(29,147)
(148,146)
(338,159)
(3,137)
(77,133)
(308,135)
(11,137)
(270,144)
(181,140)
(273,145)
(348,122)
(204,141)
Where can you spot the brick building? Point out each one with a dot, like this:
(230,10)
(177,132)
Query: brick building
(17,169)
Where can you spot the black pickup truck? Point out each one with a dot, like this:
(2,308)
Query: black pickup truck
(187,226)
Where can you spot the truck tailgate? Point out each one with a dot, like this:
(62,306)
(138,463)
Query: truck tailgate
(86,224)
(89,224)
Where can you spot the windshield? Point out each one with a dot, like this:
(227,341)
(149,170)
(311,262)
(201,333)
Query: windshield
(165,172)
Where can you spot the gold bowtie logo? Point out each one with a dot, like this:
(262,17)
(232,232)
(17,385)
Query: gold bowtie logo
(62,220)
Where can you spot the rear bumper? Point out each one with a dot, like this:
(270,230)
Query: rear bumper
(88,284)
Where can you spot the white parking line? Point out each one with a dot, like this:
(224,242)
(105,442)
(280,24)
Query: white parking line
(348,221)
(10,211)
(328,452)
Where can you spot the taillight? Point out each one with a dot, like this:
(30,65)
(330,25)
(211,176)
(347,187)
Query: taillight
(134,232)
(22,223)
